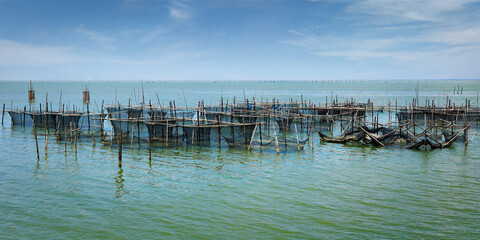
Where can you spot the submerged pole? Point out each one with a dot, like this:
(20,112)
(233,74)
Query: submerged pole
(253,135)
(120,149)
(3,113)
(149,148)
(36,144)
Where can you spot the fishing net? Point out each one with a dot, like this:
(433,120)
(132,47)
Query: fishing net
(44,119)
(20,118)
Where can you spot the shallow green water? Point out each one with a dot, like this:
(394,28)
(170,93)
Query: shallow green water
(326,191)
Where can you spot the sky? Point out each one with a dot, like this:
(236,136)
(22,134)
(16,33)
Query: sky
(239,40)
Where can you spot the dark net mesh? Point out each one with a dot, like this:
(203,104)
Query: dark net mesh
(129,129)
(197,135)
(68,121)
(160,131)
(238,135)
(20,118)
(42,119)
(91,122)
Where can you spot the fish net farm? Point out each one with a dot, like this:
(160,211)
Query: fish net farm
(268,125)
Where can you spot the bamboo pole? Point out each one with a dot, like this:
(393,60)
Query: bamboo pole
(75,137)
(46,141)
(149,148)
(372,137)
(276,140)
(36,144)
(65,140)
(219,132)
(120,149)
(251,139)
(131,137)
(3,113)
(296,133)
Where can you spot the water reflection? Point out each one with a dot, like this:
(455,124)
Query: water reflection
(37,167)
(425,163)
(121,191)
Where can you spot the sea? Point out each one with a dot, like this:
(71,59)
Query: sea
(326,191)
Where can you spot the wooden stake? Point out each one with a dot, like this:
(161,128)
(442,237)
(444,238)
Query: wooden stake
(3,113)
(131,137)
(46,141)
(251,139)
(65,140)
(36,144)
(166,133)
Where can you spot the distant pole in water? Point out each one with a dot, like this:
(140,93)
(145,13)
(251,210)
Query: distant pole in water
(3,113)
(86,95)
(31,93)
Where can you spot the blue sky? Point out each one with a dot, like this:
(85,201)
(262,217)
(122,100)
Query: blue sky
(239,40)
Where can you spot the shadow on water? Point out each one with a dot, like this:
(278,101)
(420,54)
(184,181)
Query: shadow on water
(119,185)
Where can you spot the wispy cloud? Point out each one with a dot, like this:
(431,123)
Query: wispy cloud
(457,36)
(180,10)
(439,33)
(350,48)
(434,45)
(417,10)
(96,37)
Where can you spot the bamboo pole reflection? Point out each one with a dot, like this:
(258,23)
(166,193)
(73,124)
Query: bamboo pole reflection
(121,191)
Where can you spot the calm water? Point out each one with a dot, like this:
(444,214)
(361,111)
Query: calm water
(327,191)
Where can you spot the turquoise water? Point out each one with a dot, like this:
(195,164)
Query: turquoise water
(326,191)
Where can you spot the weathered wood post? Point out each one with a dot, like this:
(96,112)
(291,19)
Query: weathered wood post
(36,144)
(24,113)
